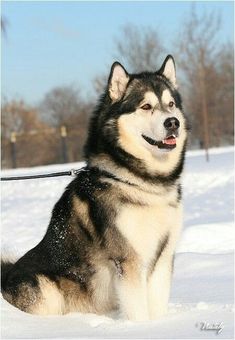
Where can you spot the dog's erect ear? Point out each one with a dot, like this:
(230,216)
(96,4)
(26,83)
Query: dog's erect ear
(118,80)
(168,70)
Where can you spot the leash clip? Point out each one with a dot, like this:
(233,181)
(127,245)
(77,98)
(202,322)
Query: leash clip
(74,172)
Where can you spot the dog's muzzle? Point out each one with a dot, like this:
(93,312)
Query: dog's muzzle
(171,125)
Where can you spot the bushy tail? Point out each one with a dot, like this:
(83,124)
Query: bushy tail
(6,266)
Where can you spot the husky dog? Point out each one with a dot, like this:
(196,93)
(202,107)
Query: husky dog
(111,239)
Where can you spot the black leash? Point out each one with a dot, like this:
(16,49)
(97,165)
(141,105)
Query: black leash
(71,172)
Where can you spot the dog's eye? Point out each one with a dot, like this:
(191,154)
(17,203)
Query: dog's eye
(146,107)
(171,104)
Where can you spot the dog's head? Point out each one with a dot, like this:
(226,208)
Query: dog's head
(140,119)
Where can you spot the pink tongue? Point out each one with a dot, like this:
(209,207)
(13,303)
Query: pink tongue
(170,141)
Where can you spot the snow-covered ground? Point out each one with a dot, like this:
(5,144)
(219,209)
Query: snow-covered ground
(202,289)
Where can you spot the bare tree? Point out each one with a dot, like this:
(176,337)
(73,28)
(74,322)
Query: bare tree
(138,49)
(18,117)
(198,54)
(64,106)
(60,104)
(22,126)
(223,109)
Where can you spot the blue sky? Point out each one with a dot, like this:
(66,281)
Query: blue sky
(52,44)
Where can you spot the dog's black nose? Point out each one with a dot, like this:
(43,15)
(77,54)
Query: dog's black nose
(172,123)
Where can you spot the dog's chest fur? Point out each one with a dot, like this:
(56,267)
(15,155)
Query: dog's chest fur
(145,226)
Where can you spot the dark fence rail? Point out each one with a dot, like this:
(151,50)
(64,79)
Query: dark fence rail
(42,147)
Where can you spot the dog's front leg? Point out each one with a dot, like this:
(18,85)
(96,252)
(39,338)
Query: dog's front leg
(159,284)
(132,292)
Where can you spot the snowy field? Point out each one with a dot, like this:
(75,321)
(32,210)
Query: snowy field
(202,289)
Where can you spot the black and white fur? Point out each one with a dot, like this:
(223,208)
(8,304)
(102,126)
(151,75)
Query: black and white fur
(111,239)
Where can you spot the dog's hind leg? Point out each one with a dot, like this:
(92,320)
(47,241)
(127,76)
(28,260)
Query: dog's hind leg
(51,300)
(34,294)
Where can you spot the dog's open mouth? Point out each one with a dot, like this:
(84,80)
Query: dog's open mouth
(167,143)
